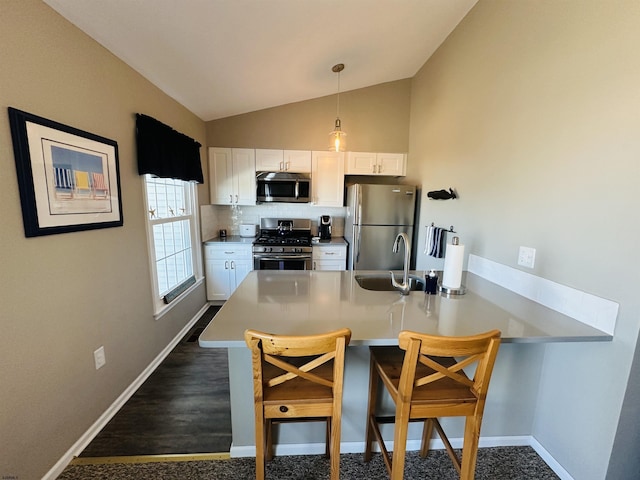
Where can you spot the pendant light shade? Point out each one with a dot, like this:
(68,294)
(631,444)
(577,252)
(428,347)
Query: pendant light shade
(337,138)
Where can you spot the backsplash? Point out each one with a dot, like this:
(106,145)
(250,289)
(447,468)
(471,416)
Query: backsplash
(215,217)
(595,311)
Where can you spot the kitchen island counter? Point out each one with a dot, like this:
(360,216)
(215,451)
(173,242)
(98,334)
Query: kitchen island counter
(301,303)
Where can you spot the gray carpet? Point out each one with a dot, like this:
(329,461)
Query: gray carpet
(499,463)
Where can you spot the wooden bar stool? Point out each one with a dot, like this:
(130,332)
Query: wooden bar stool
(297,378)
(425,379)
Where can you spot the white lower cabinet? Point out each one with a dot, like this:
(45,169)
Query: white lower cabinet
(226,265)
(329,257)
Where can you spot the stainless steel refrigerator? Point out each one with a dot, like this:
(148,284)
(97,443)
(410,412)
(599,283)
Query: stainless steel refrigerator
(376,214)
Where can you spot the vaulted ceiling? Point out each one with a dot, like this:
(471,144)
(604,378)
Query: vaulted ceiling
(226,57)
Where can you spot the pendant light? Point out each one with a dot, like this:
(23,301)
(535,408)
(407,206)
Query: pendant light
(337,140)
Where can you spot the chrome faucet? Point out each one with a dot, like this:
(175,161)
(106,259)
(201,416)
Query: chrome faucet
(403,287)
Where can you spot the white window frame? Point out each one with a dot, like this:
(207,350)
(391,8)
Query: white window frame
(159,306)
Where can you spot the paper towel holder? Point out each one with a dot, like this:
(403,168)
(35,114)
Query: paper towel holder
(449,291)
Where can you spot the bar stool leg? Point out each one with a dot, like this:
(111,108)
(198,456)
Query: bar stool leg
(470,447)
(371,409)
(427,431)
(260,447)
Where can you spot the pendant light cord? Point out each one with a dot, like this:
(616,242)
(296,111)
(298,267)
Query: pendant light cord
(338,107)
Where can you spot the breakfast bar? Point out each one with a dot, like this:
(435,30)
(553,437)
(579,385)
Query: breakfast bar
(308,302)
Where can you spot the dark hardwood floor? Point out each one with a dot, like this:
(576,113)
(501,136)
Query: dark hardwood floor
(183,407)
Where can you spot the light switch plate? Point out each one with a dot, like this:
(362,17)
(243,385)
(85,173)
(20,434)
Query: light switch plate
(527,257)
(99,357)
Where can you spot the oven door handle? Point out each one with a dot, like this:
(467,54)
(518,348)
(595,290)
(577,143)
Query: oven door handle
(282,257)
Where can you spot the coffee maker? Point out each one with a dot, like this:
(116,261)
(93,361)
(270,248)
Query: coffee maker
(324,227)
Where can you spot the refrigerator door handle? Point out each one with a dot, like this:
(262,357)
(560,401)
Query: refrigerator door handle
(356,238)
(358,209)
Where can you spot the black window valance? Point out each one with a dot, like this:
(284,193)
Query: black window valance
(166,153)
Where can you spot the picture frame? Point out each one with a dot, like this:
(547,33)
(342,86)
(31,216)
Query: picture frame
(69,179)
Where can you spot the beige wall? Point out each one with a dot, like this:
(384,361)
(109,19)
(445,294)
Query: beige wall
(530,110)
(376,119)
(63,296)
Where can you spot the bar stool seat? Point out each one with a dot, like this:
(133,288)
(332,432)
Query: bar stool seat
(297,378)
(426,380)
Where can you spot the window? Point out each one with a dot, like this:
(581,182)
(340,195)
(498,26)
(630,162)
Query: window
(172,234)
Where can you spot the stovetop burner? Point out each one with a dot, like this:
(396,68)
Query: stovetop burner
(267,238)
(286,232)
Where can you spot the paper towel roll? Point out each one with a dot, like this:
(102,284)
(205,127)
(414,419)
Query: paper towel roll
(453,260)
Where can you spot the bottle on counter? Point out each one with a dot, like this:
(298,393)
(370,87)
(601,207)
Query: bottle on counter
(431,282)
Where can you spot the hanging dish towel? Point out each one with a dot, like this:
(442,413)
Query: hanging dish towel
(434,245)
(427,243)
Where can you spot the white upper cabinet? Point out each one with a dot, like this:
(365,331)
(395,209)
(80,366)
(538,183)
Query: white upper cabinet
(232,175)
(327,178)
(295,161)
(369,163)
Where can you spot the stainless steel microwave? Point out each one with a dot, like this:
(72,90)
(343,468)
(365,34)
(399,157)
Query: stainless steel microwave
(283,187)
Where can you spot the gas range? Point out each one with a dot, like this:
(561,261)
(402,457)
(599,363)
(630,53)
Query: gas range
(283,244)
(283,236)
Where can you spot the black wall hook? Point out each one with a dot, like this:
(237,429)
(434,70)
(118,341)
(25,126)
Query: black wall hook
(442,194)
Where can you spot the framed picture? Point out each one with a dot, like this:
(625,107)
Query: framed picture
(69,180)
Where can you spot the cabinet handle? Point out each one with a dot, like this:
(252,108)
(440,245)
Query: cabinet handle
(233,265)
(374,169)
(287,166)
(314,266)
(226,264)
(379,168)
(281,166)
(236,198)
(329,253)
(230,198)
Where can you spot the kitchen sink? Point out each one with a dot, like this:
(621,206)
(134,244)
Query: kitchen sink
(382,282)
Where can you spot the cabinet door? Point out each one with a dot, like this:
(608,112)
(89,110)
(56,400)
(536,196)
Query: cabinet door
(240,269)
(361,163)
(298,161)
(393,164)
(217,278)
(221,181)
(327,178)
(330,257)
(269,160)
(244,172)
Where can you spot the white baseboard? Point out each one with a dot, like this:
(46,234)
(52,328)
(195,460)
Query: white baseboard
(549,460)
(412,445)
(100,423)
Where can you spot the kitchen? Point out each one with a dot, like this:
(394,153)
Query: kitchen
(529,111)
(519,175)
(240,238)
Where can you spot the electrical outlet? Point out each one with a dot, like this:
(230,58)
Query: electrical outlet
(99,358)
(527,257)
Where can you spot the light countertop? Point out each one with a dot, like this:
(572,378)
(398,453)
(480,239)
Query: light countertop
(302,303)
(330,242)
(229,239)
